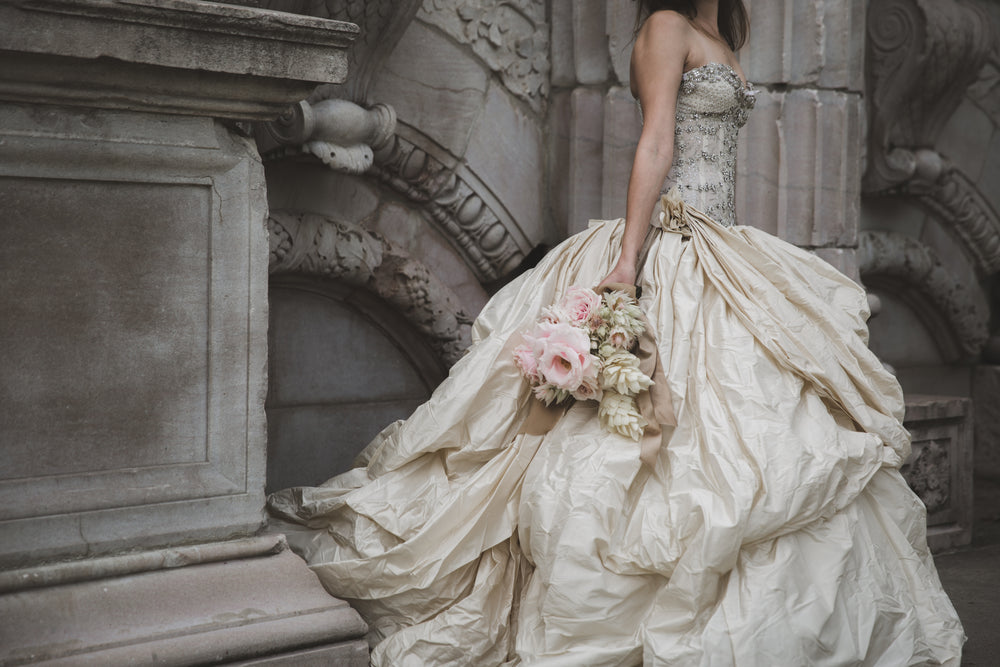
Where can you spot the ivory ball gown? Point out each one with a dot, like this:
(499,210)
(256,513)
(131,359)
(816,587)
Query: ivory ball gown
(772,527)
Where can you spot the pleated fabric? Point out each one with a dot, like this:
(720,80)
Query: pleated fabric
(773,529)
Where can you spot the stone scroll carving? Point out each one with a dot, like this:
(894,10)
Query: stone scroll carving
(341,133)
(511,36)
(313,245)
(954,317)
(922,56)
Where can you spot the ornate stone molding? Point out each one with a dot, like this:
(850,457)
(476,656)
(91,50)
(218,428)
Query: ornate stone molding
(313,245)
(511,36)
(922,55)
(956,200)
(910,271)
(453,197)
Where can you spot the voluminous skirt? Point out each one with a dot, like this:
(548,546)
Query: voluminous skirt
(773,530)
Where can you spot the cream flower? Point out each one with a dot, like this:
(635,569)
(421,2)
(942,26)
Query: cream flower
(619,414)
(620,373)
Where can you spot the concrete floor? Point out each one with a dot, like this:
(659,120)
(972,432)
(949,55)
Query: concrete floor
(972,578)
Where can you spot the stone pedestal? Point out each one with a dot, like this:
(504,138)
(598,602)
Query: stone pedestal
(940,467)
(133,323)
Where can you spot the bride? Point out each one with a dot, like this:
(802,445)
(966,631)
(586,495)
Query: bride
(767,526)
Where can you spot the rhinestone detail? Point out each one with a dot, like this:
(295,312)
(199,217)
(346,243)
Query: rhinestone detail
(712,106)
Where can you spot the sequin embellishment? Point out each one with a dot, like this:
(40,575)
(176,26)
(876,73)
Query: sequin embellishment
(712,106)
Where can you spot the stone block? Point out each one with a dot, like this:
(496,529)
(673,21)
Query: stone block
(259,610)
(621,37)
(800,162)
(133,332)
(844,260)
(586,157)
(806,43)
(590,41)
(435,85)
(506,152)
(986,394)
(185,56)
(939,468)
(622,127)
(563,62)
(560,136)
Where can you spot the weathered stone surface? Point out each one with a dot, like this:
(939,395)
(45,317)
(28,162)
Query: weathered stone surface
(844,260)
(426,74)
(209,613)
(590,41)
(800,168)
(620,28)
(236,62)
(806,42)
(563,66)
(940,466)
(133,328)
(622,126)
(986,394)
(506,151)
(560,135)
(586,169)
(965,139)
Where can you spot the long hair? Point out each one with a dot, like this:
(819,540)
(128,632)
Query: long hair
(734,23)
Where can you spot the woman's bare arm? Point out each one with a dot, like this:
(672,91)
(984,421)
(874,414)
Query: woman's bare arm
(658,60)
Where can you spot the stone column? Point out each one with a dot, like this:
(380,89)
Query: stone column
(133,323)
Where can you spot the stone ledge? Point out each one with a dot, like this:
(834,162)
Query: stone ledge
(169,56)
(229,611)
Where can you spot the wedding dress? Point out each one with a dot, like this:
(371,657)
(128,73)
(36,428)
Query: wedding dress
(772,528)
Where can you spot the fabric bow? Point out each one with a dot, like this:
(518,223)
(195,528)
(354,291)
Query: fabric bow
(674,216)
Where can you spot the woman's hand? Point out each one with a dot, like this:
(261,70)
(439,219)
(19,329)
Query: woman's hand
(619,274)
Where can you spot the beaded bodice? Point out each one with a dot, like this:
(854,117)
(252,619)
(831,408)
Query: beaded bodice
(712,106)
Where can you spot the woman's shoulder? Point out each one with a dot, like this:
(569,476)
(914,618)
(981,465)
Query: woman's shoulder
(665,24)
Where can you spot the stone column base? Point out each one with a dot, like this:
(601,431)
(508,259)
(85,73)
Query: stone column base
(265,609)
(940,467)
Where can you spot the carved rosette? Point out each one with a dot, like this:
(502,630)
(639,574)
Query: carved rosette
(304,243)
(911,272)
(510,36)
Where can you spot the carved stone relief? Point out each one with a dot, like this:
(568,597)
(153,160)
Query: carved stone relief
(314,245)
(929,474)
(511,36)
(454,199)
(922,56)
(910,270)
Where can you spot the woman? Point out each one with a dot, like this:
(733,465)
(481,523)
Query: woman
(766,525)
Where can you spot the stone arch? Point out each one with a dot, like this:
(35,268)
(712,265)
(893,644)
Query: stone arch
(911,272)
(313,245)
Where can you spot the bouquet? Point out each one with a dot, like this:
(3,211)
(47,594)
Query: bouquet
(581,349)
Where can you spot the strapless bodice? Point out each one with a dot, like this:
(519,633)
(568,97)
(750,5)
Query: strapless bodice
(712,106)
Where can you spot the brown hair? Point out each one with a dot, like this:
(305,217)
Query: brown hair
(734,23)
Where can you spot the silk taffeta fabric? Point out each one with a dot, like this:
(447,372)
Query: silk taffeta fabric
(772,529)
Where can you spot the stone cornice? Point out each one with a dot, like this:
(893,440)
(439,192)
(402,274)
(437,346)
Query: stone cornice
(172,56)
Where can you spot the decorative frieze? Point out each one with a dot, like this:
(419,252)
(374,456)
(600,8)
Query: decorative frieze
(511,37)
(953,314)
(313,245)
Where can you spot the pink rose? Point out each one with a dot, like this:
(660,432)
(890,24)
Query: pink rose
(590,388)
(524,357)
(579,303)
(565,359)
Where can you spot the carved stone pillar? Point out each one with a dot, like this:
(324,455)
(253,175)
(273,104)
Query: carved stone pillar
(133,323)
